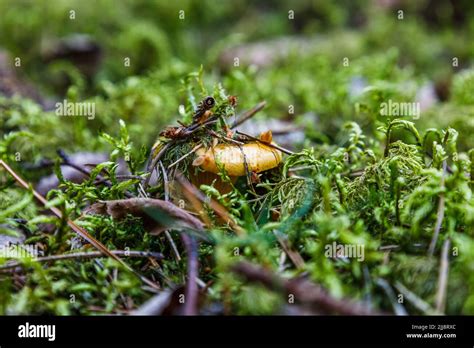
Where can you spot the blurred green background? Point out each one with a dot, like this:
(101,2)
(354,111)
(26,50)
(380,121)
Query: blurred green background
(317,64)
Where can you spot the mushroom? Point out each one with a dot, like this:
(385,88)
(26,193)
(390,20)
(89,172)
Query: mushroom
(236,160)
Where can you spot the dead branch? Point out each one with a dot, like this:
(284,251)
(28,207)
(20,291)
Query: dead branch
(303,291)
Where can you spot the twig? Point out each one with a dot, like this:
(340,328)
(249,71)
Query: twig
(191,291)
(165,182)
(288,152)
(197,126)
(248,175)
(416,301)
(197,147)
(167,197)
(236,142)
(299,168)
(156,305)
(294,256)
(443,278)
(440,214)
(303,291)
(76,228)
(389,247)
(100,178)
(248,114)
(67,162)
(398,308)
(85,255)
(281,262)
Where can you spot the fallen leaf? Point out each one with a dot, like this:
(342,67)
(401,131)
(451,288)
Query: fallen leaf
(157,215)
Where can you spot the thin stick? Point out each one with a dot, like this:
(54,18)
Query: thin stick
(297,169)
(389,247)
(141,191)
(66,162)
(197,147)
(99,179)
(197,126)
(167,197)
(416,301)
(191,291)
(398,308)
(86,255)
(288,152)
(165,182)
(443,278)
(236,142)
(440,214)
(295,256)
(248,114)
(79,230)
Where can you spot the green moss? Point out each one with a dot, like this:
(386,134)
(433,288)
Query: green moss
(357,178)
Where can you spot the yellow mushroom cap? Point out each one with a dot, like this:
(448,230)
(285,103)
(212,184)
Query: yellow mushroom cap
(256,156)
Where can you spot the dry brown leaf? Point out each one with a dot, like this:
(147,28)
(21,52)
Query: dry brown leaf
(157,215)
